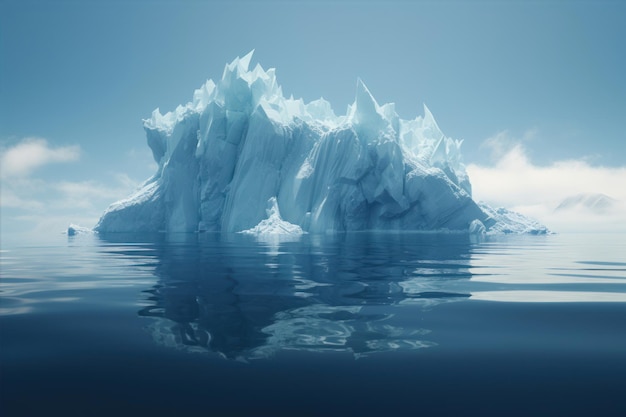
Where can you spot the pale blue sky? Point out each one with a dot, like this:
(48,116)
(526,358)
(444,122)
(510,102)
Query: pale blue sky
(84,73)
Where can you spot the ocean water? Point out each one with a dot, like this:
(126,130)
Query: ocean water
(363,324)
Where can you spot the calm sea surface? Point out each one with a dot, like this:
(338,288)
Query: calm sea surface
(363,324)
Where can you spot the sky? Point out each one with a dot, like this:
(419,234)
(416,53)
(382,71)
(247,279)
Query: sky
(535,89)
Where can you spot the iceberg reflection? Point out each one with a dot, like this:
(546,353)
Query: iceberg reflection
(246,299)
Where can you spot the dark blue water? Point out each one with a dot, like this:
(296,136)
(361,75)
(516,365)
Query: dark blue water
(364,324)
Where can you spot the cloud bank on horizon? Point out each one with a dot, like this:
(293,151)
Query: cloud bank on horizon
(539,191)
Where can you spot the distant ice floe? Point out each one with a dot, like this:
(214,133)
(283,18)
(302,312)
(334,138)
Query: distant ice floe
(74,229)
(507,221)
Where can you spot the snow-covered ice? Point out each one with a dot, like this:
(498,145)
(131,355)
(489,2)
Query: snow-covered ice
(240,144)
(274,224)
(507,221)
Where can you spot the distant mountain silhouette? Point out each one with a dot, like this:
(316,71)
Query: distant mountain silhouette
(596,202)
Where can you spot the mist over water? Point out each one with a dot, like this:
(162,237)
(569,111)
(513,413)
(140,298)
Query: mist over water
(347,324)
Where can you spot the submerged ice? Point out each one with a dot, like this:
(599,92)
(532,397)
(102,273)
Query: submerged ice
(242,157)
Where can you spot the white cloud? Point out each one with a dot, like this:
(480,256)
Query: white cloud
(515,182)
(37,206)
(502,142)
(36,195)
(11,200)
(34,206)
(91,195)
(31,153)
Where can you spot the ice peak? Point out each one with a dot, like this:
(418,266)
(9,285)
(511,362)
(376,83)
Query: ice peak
(430,124)
(245,60)
(365,114)
(365,103)
(238,66)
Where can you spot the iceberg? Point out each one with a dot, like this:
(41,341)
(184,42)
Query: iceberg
(74,229)
(240,143)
